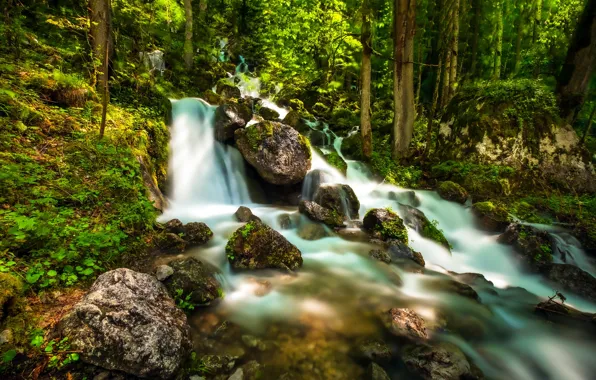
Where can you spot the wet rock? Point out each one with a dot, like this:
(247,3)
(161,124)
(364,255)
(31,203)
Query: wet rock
(170,243)
(376,372)
(352,234)
(317,213)
(533,246)
(313,231)
(398,250)
(227,91)
(571,278)
(238,375)
(278,152)
(376,351)
(335,160)
(257,246)
(11,290)
(163,271)
(405,323)
(244,214)
(174,226)
(252,370)
(437,362)
(338,198)
(451,286)
(351,147)
(269,114)
(492,216)
(384,224)
(211,97)
(219,364)
(405,197)
(312,181)
(128,322)
(197,233)
(285,221)
(381,255)
(229,118)
(559,313)
(195,278)
(451,191)
(416,220)
(6,337)
(253,342)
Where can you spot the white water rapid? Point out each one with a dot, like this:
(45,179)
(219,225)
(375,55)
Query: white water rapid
(339,286)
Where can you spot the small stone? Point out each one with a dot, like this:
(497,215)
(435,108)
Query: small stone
(375,372)
(244,215)
(105,375)
(163,271)
(406,323)
(238,375)
(380,255)
(376,351)
(6,336)
(175,226)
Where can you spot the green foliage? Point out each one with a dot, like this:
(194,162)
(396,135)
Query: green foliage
(184,301)
(432,231)
(248,228)
(59,353)
(382,163)
(336,161)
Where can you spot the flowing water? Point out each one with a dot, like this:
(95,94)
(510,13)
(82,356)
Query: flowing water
(310,323)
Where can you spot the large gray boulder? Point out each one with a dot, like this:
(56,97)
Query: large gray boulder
(439,361)
(318,213)
(229,118)
(339,198)
(128,322)
(278,152)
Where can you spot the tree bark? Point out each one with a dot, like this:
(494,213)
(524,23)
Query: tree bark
(519,37)
(579,65)
(499,44)
(404,24)
(100,21)
(454,50)
(433,109)
(365,78)
(537,20)
(188,49)
(589,126)
(477,16)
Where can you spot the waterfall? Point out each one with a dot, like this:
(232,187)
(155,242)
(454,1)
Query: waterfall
(203,170)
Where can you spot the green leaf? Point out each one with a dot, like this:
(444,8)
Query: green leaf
(52,273)
(9,355)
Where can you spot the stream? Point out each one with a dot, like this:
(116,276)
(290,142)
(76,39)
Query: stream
(310,323)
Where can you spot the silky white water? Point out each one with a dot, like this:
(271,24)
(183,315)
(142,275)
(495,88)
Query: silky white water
(209,183)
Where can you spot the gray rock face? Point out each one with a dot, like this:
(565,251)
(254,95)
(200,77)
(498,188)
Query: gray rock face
(128,322)
(317,213)
(381,255)
(195,278)
(406,323)
(244,214)
(229,118)
(572,278)
(278,152)
(197,233)
(437,362)
(339,198)
(398,250)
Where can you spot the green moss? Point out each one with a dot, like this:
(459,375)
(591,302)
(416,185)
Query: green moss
(452,191)
(431,231)
(256,133)
(320,109)
(485,207)
(306,144)
(336,161)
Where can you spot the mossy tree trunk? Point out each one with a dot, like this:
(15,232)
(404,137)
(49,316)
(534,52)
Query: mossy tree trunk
(537,20)
(589,125)
(188,49)
(579,65)
(454,47)
(477,5)
(499,40)
(519,36)
(100,25)
(404,28)
(365,78)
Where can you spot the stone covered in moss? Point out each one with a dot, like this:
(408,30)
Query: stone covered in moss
(320,109)
(318,213)
(398,250)
(452,192)
(211,97)
(194,278)
(533,246)
(385,224)
(197,233)
(437,361)
(337,162)
(491,215)
(11,290)
(416,220)
(229,118)
(258,246)
(278,152)
(227,91)
(339,198)
(269,114)
(351,147)
(571,278)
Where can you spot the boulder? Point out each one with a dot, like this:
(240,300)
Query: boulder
(278,152)
(398,250)
(196,278)
(285,221)
(170,243)
(174,226)
(257,246)
(374,350)
(313,231)
(451,191)
(312,181)
(229,118)
(416,220)
(11,291)
(163,271)
(351,147)
(492,216)
(211,97)
(338,198)
(197,233)
(534,247)
(405,323)
(572,278)
(227,91)
(269,114)
(385,225)
(439,361)
(128,322)
(317,213)
(376,372)
(295,120)
(244,214)
(380,255)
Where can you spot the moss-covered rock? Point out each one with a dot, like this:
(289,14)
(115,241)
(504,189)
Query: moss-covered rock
(533,246)
(493,216)
(227,91)
(338,198)
(244,214)
(318,213)
(11,290)
(197,233)
(258,246)
(320,109)
(212,98)
(452,192)
(416,220)
(385,224)
(337,162)
(351,147)
(437,361)
(229,118)
(170,243)
(195,278)
(398,250)
(269,114)
(278,152)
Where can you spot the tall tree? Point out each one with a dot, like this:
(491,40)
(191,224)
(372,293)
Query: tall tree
(454,47)
(537,19)
(100,29)
(499,40)
(477,6)
(365,78)
(404,29)
(188,49)
(579,65)
(521,5)
(588,125)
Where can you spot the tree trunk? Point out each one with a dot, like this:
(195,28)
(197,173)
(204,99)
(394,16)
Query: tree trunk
(518,39)
(589,126)
(433,109)
(365,78)
(100,22)
(499,44)
(579,65)
(404,24)
(188,49)
(106,93)
(477,16)
(454,50)
(537,20)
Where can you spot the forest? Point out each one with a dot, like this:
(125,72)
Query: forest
(297,189)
